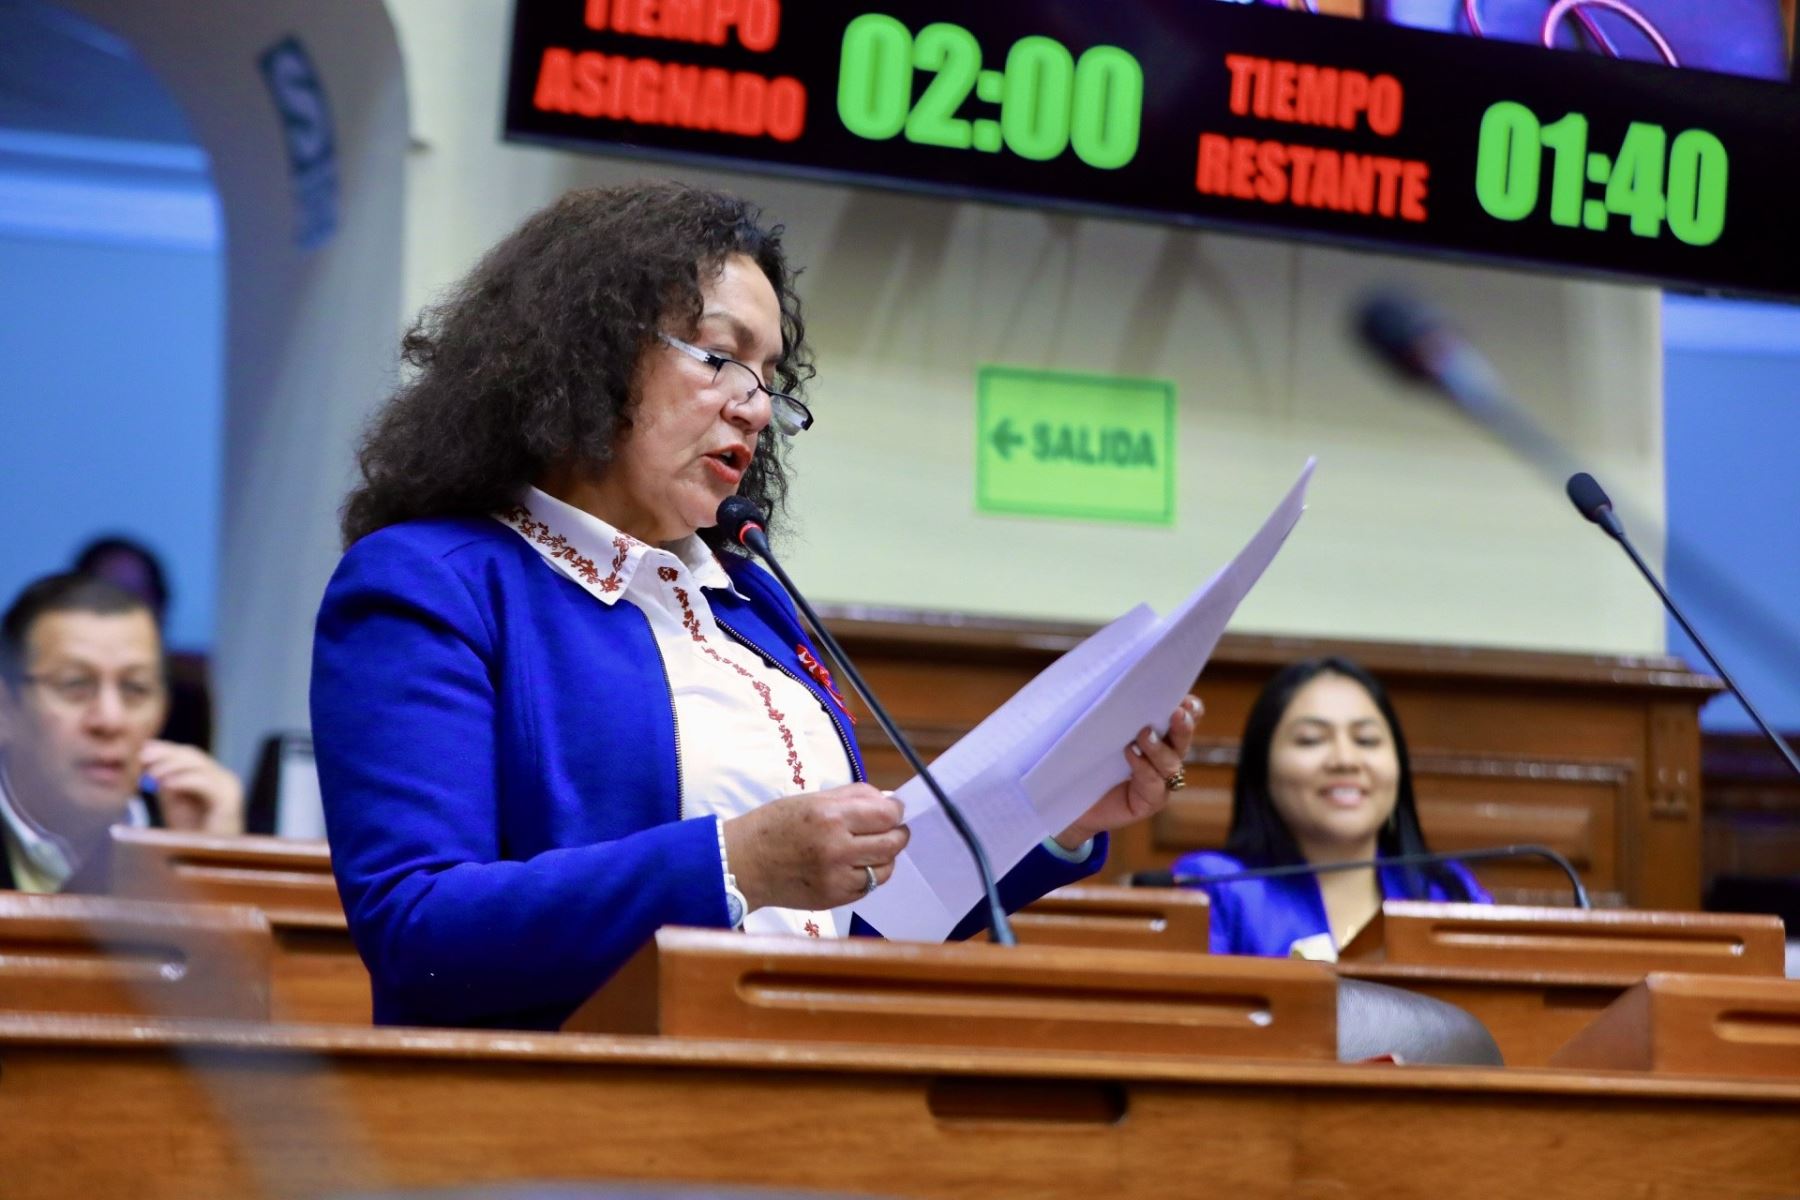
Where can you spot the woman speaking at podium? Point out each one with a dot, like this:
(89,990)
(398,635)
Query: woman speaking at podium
(552,710)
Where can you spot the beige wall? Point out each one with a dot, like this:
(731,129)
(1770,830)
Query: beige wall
(309,331)
(1419,529)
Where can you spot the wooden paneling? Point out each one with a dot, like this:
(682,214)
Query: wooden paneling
(1596,756)
(1752,809)
(1465,801)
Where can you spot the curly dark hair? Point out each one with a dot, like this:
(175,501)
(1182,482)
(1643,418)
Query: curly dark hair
(529,361)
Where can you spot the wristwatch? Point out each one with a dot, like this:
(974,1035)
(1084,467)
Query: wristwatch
(736,907)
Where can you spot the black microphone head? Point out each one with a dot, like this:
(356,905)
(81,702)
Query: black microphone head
(737,516)
(1589,498)
(1399,330)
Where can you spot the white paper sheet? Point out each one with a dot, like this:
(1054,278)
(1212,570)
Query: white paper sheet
(1003,747)
(1046,755)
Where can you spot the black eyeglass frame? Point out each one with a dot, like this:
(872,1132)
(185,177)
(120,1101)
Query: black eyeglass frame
(790,415)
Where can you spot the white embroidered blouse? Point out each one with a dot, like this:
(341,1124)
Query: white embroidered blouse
(746,732)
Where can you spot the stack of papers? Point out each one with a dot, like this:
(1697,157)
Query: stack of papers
(1046,755)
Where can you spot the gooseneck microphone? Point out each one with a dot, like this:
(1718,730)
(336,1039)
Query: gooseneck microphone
(1524,850)
(1420,344)
(742,521)
(1592,502)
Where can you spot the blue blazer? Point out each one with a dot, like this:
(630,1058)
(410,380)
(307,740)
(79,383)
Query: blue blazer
(497,758)
(1266,916)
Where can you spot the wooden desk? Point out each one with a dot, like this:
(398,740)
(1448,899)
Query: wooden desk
(1530,1013)
(113,1109)
(290,880)
(96,954)
(1696,1025)
(316,974)
(1537,977)
(1621,943)
(1533,987)
(1114,918)
(709,983)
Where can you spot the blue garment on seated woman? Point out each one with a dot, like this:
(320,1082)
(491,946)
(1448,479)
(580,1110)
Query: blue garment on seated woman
(1267,916)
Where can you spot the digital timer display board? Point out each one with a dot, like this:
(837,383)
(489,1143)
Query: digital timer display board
(1194,112)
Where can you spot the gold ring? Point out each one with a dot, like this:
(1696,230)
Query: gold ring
(1177,781)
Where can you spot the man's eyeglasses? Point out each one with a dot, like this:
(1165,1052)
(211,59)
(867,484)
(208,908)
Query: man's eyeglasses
(78,692)
(790,415)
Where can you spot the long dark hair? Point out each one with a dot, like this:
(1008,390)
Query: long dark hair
(1260,837)
(530,360)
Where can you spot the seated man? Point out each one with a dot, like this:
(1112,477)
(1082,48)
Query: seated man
(82,689)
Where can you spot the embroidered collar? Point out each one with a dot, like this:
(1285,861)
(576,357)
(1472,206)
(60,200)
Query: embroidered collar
(602,559)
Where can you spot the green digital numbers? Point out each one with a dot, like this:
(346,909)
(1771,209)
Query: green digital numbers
(1635,187)
(1048,101)
(1040,85)
(1650,181)
(1508,162)
(1697,170)
(952,52)
(875,77)
(1109,107)
(1567,142)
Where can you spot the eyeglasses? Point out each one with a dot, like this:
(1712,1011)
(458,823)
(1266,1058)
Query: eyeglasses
(790,415)
(78,692)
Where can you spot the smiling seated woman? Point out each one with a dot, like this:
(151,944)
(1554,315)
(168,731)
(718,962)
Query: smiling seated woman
(1323,777)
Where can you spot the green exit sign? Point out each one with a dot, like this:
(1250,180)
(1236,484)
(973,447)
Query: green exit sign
(1096,447)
